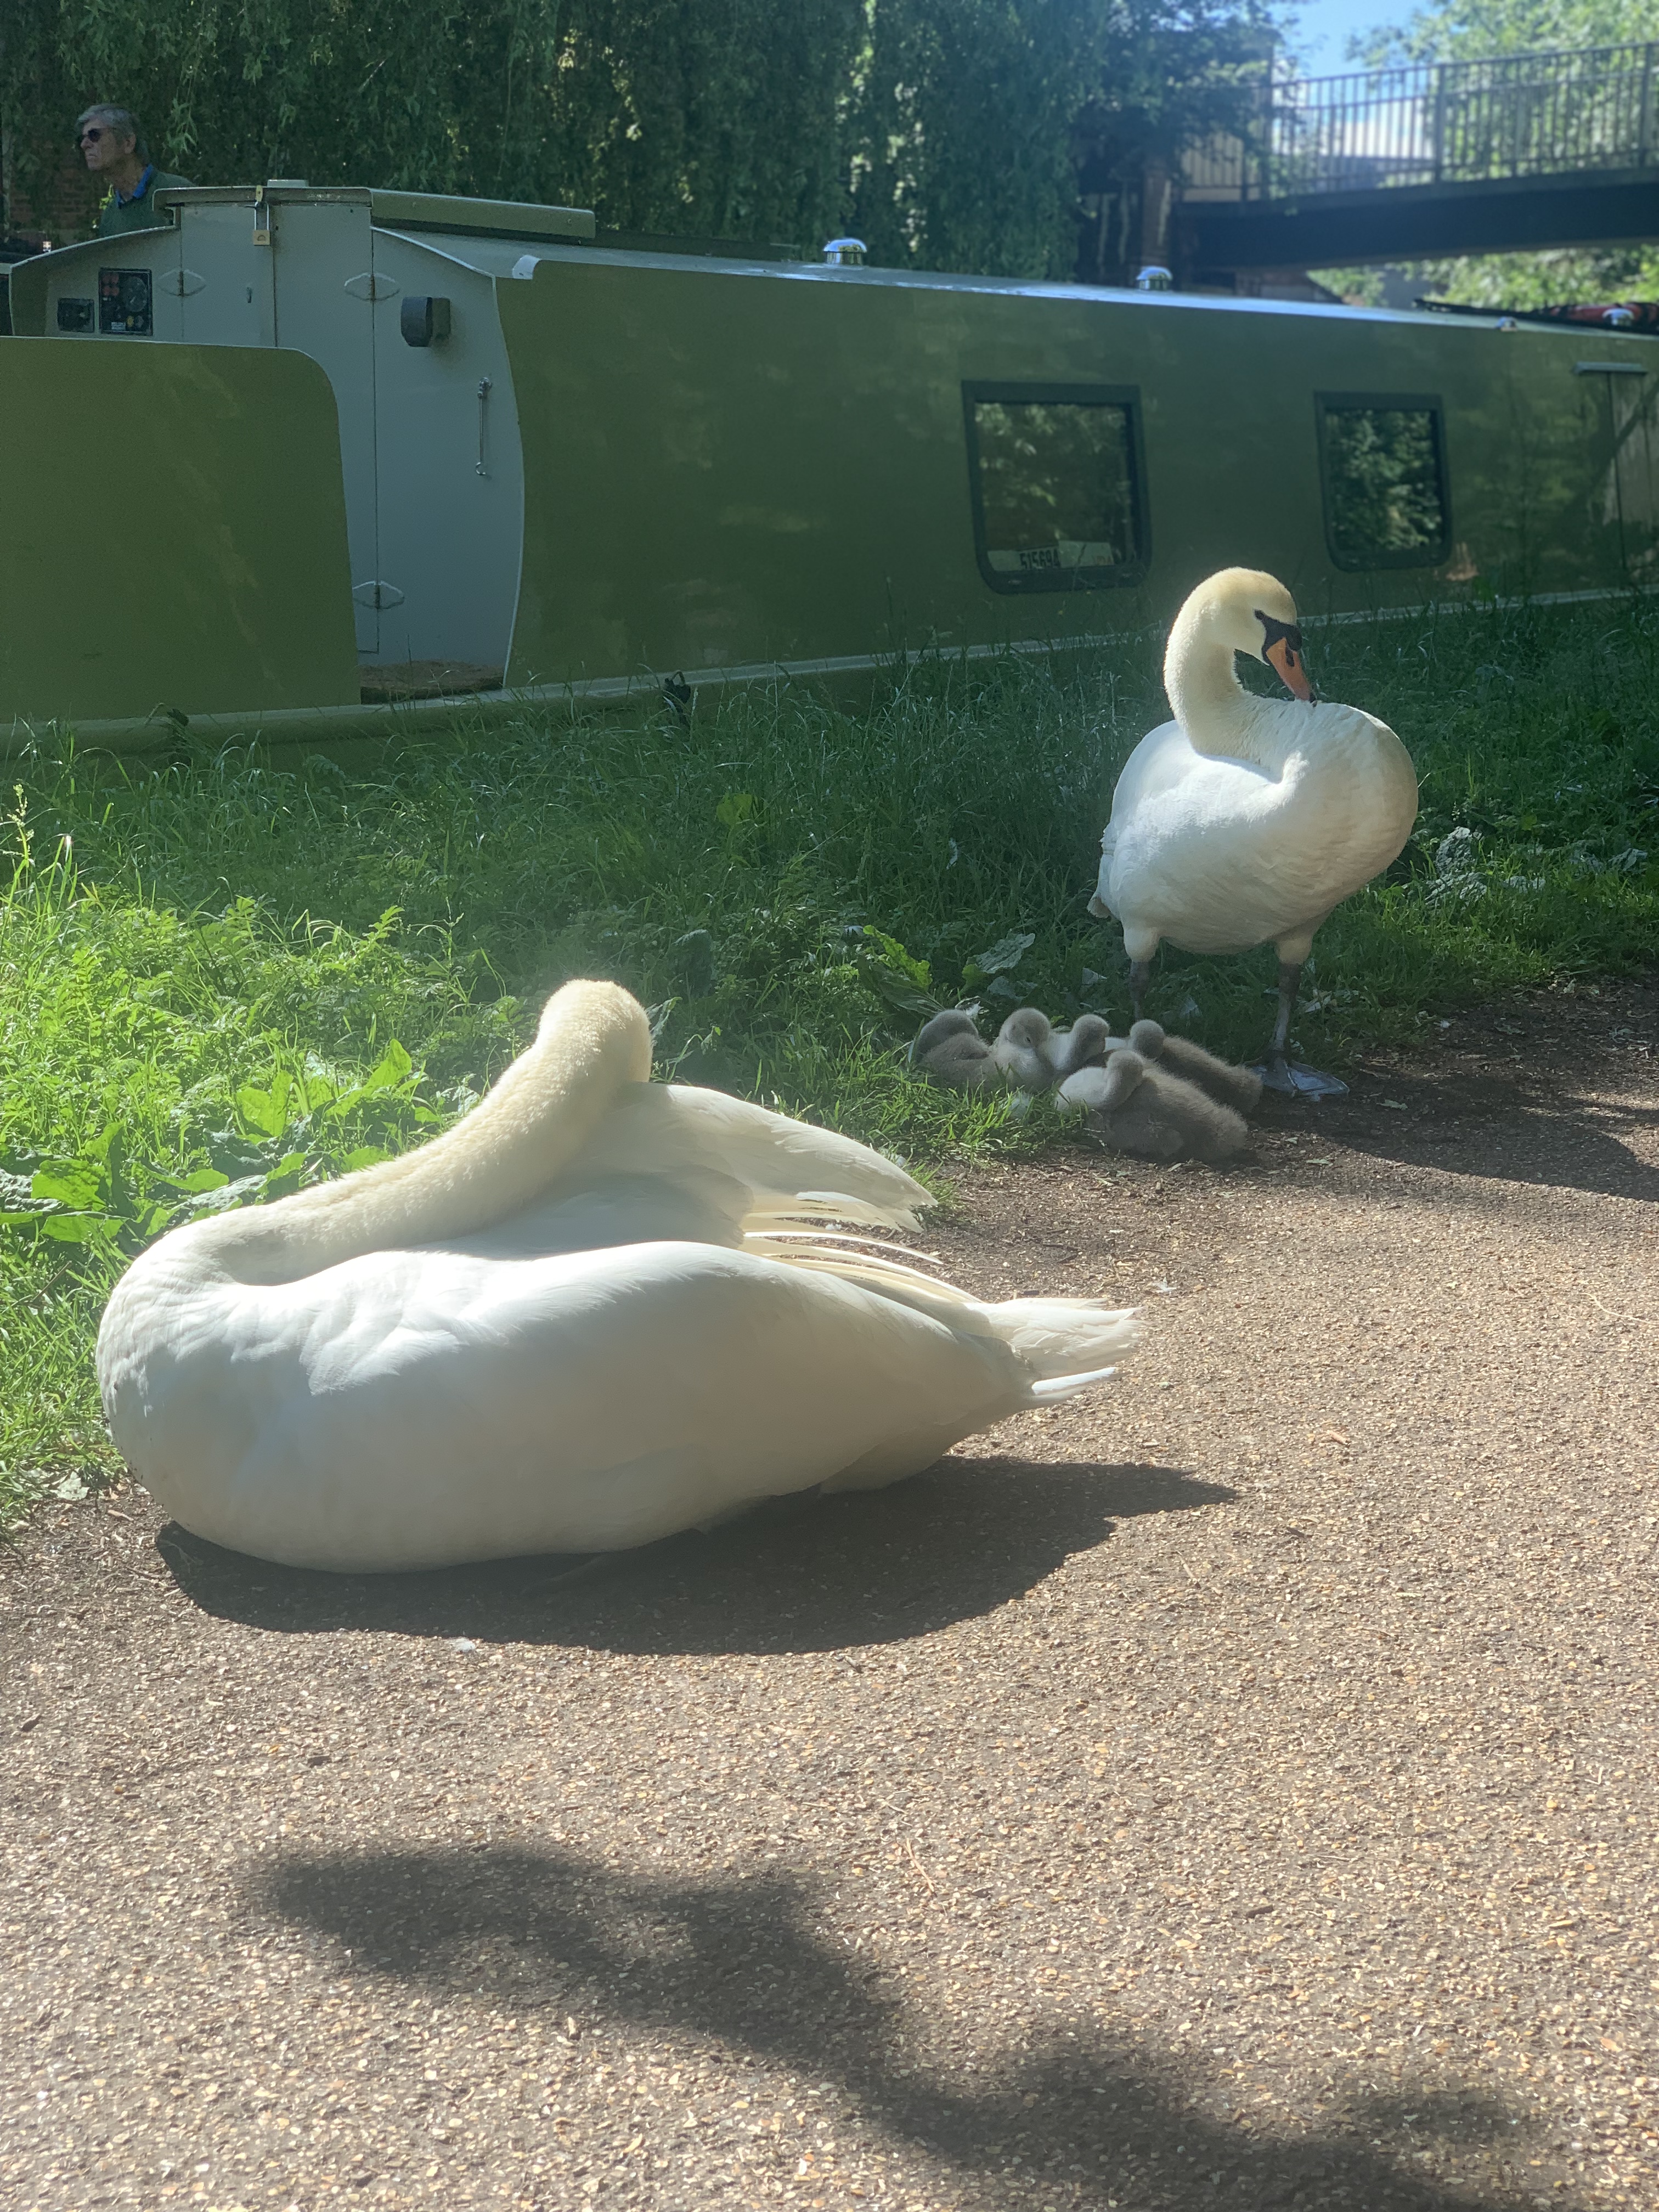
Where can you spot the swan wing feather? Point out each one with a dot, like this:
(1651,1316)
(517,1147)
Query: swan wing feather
(788,1170)
(1218,853)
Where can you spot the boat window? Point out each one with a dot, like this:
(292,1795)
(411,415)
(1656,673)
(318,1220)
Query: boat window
(1057,482)
(1382,456)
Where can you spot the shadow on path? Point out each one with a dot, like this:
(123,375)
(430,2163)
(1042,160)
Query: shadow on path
(1513,1129)
(744,1963)
(813,1574)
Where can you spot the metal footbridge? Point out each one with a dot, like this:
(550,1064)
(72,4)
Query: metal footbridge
(1521,151)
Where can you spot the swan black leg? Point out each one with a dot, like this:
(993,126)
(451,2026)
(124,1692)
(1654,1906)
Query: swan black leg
(1287,1077)
(1140,974)
(1289,980)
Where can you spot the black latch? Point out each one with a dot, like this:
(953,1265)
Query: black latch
(422,319)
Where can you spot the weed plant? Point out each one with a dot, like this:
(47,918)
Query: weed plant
(224,977)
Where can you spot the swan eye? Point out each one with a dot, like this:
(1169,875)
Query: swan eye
(1273,630)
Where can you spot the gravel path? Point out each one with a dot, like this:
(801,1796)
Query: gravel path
(1238,1790)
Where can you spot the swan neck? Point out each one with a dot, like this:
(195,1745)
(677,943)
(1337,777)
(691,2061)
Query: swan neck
(1205,696)
(594,1040)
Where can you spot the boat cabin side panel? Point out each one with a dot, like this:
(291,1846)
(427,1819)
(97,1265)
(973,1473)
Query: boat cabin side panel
(224,465)
(725,465)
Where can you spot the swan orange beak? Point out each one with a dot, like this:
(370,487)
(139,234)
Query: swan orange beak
(1291,668)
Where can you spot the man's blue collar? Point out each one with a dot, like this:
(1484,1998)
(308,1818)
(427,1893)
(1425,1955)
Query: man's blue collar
(126,199)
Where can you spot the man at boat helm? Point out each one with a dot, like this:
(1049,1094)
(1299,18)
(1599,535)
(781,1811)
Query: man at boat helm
(117,155)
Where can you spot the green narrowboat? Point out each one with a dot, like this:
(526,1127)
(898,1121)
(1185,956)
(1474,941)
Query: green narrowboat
(301,452)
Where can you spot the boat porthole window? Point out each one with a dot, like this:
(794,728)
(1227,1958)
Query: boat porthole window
(1058,486)
(1383,460)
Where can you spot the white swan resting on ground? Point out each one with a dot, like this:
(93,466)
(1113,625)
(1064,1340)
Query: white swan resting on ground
(1245,821)
(583,1318)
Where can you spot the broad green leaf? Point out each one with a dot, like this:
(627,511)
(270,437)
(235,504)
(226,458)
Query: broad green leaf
(365,1155)
(203,1179)
(894,955)
(267,1111)
(898,992)
(395,1068)
(76,1228)
(77,1184)
(735,809)
(1006,955)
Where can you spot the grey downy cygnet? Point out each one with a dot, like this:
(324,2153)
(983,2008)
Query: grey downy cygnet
(1238,1087)
(1085,1044)
(950,1050)
(1020,1050)
(1136,1106)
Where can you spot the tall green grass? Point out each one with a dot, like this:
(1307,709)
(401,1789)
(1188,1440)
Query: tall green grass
(222,978)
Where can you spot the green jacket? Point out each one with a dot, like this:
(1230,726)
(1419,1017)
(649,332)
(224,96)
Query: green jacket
(140,212)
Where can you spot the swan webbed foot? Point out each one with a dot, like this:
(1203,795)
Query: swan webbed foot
(1291,1079)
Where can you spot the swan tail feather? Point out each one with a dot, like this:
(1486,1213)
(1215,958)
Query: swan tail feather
(1065,1343)
(1061,1346)
(1058,1387)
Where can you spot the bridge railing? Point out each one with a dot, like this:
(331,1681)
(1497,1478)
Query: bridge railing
(1430,122)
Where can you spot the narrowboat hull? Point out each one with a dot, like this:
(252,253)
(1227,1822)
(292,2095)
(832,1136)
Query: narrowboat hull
(403,436)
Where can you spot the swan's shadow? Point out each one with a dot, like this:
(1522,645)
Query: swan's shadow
(1494,1127)
(815,1574)
(1091,2115)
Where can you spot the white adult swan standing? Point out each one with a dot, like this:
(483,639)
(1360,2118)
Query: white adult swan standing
(1245,820)
(580,1319)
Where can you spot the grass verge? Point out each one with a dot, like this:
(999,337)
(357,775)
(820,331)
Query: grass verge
(220,980)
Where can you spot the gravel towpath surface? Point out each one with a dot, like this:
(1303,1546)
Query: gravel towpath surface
(1236,1790)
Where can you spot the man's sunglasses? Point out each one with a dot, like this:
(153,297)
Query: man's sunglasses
(93,135)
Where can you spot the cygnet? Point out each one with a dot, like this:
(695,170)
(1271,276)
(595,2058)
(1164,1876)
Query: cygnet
(1136,1106)
(1085,1044)
(952,1051)
(1238,1087)
(1020,1050)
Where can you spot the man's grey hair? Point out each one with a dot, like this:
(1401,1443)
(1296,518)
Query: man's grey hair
(116,118)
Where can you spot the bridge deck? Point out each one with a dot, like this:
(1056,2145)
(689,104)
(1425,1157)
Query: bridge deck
(1544,149)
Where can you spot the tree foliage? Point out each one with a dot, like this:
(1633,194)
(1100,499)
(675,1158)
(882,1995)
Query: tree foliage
(944,132)
(1470,30)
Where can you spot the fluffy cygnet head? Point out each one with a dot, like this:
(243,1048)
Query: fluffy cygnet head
(1125,1072)
(1099,1090)
(953,1022)
(1088,1040)
(1147,1039)
(1245,611)
(952,1051)
(1026,1030)
(1019,1049)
